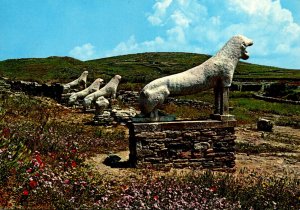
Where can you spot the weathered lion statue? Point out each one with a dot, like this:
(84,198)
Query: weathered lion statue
(216,72)
(109,90)
(81,94)
(77,82)
(101,103)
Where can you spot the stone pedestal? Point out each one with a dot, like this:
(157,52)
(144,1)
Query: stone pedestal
(196,144)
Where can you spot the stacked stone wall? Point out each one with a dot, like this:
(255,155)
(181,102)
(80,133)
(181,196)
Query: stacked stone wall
(272,99)
(33,88)
(179,144)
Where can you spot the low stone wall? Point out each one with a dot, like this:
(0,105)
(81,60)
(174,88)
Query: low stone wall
(272,99)
(249,86)
(33,88)
(131,98)
(205,144)
(4,86)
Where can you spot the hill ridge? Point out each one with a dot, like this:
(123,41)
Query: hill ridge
(135,68)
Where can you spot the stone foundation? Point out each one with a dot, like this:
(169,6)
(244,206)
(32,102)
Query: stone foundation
(197,144)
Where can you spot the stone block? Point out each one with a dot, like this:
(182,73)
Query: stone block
(173,134)
(145,153)
(180,145)
(202,146)
(185,155)
(153,159)
(197,155)
(156,145)
(209,133)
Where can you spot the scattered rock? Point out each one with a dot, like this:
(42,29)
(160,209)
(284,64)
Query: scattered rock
(265,125)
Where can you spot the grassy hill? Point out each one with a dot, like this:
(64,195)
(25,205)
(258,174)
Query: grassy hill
(135,68)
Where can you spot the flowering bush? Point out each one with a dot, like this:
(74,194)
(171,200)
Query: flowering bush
(63,185)
(209,190)
(171,193)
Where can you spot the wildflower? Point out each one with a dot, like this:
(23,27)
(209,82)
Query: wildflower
(213,189)
(29,170)
(104,198)
(32,183)
(39,160)
(25,192)
(155,197)
(83,183)
(73,164)
(72,199)
(67,181)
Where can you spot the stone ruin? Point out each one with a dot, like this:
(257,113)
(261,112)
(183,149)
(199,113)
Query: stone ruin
(157,140)
(162,142)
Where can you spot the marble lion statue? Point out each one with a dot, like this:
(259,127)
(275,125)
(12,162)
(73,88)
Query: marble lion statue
(79,81)
(216,71)
(109,90)
(101,103)
(81,94)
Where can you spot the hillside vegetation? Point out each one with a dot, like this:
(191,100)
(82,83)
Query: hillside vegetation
(135,68)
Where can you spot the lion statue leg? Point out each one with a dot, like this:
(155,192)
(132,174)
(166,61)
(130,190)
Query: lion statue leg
(218,97)
(152,99)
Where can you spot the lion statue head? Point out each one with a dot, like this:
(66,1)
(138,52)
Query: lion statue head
(236,47)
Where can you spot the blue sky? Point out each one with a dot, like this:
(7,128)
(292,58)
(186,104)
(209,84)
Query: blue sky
(90,29)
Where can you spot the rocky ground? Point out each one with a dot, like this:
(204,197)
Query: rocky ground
(277,163)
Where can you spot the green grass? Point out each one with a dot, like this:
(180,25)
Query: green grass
(248,110)
(135,68)
(245,108)
(255,105)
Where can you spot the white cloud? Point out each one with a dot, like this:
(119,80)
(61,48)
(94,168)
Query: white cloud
(197,26)
(84,52)
(180,19)
(160,8)
(176,35)
(270,25)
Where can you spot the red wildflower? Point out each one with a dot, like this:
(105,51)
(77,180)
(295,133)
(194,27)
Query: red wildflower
(29,170)
(39,160)
(25,192)
(155,197)
(32,183)
(73,150)
(213,189)
(67,181)
(73,164)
